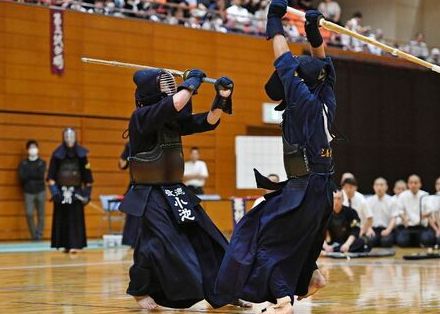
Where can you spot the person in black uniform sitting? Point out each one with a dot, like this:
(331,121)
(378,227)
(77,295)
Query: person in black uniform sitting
(343,229)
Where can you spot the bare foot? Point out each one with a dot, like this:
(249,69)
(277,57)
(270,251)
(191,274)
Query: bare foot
(73,251)
(146,302)
(317,282)
(283,306)
(242,304)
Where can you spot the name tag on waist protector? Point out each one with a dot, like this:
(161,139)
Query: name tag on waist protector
(180,203)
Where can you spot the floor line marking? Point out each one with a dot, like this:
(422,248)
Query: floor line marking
(64,265)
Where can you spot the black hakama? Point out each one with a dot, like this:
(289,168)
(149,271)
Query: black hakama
(68,226)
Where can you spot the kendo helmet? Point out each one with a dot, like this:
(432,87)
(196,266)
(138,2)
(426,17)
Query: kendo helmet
(69,137)
(312,70)
(152,86)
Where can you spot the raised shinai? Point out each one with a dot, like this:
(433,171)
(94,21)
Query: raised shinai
(178,250)
(273,251)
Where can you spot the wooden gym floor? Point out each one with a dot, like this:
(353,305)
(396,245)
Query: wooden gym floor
(95,280)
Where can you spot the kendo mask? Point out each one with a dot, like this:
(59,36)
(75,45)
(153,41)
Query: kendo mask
(69,137)
(152,86)
(312,70)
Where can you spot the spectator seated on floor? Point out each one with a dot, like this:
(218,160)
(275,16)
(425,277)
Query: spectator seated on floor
(343,229)
(413,230)
(355,200)
(384,215)
(434,218)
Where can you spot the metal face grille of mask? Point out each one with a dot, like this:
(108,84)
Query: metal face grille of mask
(69,137)
(167,83)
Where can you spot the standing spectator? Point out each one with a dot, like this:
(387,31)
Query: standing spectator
(272,177)
(331,10)
(435,56)
(413,231)
(417,47)
(343,229)
(70,183)
(384,215)
(196,172)
(31,172)
(237,16)
(355,200)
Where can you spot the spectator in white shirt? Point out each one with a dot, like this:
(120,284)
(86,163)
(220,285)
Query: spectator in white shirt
(413,231)
(434,218)
(384,215)
(237,16)
(356,201)
(417,47)
(354,24)
(435,56)
(399,187)
(272,177)
(346,175)
(331,10)
(196,172)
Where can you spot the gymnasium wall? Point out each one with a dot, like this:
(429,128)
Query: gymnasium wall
(390,116)
(98,101)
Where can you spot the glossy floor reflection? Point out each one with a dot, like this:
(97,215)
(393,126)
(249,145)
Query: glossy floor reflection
(95,282)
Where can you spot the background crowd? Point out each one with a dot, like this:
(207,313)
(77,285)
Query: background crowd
(247,16)
(409,218)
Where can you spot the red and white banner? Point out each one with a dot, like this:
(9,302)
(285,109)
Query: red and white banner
(56,41)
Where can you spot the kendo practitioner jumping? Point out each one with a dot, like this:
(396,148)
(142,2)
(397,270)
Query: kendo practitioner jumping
(132,223)
(178,250)
(273,250)
(70,183)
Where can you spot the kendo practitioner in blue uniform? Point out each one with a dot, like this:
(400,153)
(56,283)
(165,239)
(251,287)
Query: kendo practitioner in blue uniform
(273,250)
(70,183)
(132,223)
(178,250)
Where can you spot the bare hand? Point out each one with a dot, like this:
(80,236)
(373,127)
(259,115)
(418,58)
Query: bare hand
(328,248)
(344,248)
(385,232)
(370,233)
